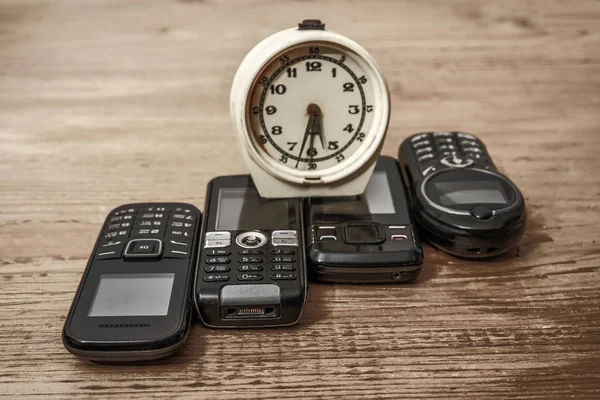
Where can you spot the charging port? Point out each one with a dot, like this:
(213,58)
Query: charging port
(250,312)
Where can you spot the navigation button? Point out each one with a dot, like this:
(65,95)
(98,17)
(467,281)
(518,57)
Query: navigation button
(143,248)
(456,162)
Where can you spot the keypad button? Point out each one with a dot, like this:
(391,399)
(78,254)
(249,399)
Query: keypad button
(283,267)
(124,211)
(216,278)
(250,252)
(444,140)
(149,224)
(424,150)
(425,157)
(419,137)
(153,209)
(283,276)
(218,260)
(148,232)
(121,226)
(250,277)
(181,225)
(116,234)
(283,251)
(463,135)
(150,215)
(421,143)
(469,143)
(179,234)
(218,252)
(250,268)
(251,260)
(216,268)
(472,150)
(283,259)
(182,217)
(442,134)
(446,147)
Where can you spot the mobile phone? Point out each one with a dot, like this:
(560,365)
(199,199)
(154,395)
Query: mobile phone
(133,301)
(462,204)
(367,238)
(251,270)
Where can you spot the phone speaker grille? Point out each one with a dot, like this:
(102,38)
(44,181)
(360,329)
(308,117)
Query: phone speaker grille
(123,325)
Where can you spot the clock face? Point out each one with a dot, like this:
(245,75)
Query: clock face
(311,107)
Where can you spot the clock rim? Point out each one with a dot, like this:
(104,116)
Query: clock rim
(261,56)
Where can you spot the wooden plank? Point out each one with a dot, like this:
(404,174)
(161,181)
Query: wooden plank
(107,102)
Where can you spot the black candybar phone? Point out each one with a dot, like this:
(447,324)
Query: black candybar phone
(462,204)
(367,238)
(251,269)
(133,301)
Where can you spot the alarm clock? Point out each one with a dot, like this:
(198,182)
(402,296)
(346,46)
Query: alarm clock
(310,110)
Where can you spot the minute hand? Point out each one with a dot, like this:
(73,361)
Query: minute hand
(313,112)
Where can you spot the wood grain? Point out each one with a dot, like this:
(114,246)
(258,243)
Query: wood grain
(108,102)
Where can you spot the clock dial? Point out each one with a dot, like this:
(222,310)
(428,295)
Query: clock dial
(311,107)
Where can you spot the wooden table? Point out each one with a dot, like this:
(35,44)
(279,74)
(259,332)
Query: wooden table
(109,102)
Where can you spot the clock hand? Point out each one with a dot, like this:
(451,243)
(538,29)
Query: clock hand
(317,129)
(313,112)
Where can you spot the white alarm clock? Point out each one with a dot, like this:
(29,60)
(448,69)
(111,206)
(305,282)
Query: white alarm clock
(310,111)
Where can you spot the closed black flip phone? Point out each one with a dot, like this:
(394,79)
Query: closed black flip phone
(251,270)
(367,238)
(462,204)
(133,301)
